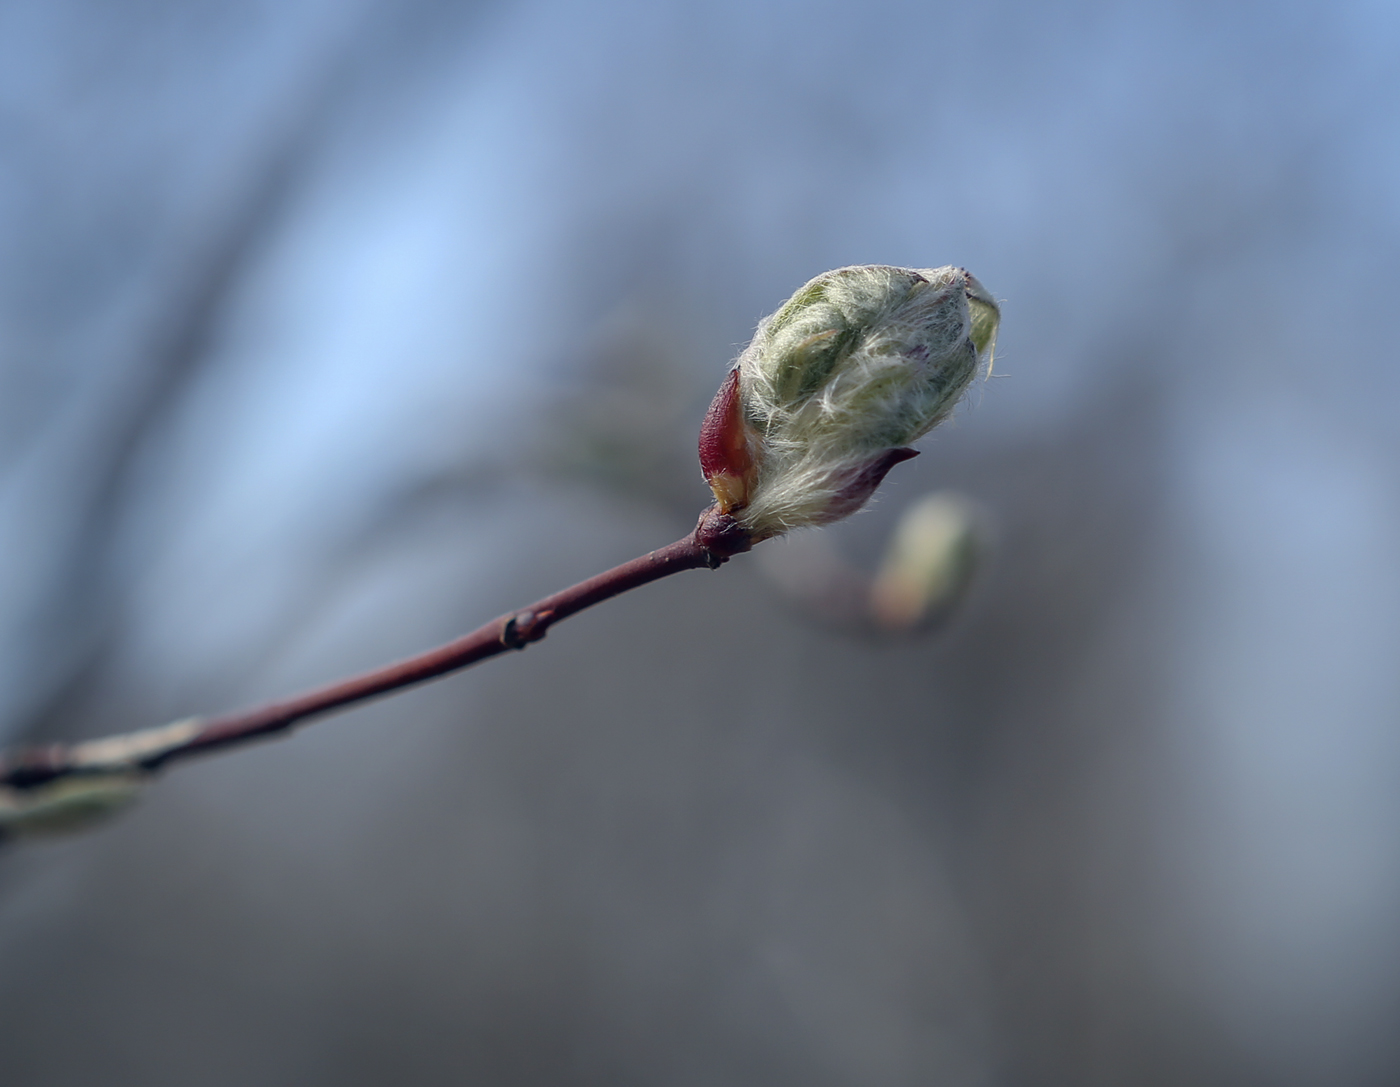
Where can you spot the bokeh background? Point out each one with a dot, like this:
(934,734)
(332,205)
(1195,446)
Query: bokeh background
(330,329)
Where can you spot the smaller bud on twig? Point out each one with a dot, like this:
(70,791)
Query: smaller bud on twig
(67,804)
(854,367)
(929,563)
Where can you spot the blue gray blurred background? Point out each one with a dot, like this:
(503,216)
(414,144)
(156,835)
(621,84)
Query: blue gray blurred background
(330,329)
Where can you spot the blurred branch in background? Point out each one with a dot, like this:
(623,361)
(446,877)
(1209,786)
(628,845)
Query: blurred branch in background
(213,250)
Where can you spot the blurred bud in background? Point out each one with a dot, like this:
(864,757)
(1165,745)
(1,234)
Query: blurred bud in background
(937,546)
(929,564)
(67,805)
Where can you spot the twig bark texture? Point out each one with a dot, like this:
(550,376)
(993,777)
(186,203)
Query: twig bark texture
(714,540)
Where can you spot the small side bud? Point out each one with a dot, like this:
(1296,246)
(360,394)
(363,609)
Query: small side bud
(67,804)
(854,367)
(929,563)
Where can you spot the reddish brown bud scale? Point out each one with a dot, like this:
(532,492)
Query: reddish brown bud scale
(724,447)
(863,484)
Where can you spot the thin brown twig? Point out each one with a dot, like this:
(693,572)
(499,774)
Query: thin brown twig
(715,539)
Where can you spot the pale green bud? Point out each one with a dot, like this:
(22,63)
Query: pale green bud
(68,804)
(929,562)
(854,367)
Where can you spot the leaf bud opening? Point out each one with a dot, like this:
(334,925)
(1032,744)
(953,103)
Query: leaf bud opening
(854,367)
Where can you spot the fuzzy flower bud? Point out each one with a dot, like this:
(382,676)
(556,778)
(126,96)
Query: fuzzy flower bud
(824,402)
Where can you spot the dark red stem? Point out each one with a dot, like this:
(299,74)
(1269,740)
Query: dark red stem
(714,540)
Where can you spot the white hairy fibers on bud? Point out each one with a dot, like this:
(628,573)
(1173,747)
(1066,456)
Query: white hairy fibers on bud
(836,384)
